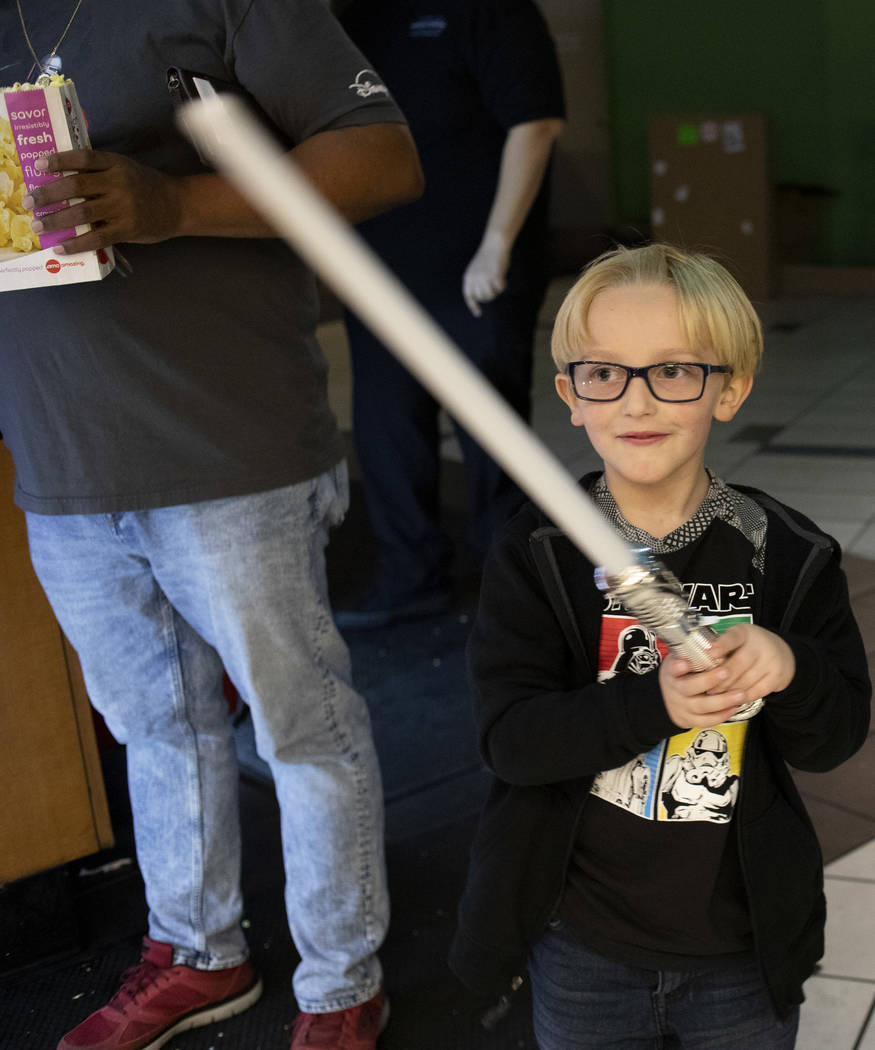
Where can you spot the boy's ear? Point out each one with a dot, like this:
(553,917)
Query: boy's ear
(732,397)
(566,393)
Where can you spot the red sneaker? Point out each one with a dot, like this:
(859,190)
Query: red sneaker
(356,1028)
(157,1000)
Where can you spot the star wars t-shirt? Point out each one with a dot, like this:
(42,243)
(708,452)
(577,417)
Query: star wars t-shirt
(655,879)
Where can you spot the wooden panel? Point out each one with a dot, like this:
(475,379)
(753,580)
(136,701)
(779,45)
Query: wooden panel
(55,806)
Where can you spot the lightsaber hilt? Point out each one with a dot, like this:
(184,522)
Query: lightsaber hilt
(654,596)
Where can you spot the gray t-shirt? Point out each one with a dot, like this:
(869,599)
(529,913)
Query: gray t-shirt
(197,376)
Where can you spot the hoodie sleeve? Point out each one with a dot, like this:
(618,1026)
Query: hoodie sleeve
(541,717)
(822,717)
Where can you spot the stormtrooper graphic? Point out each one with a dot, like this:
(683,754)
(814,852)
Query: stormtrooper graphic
(699,785)
(639,787)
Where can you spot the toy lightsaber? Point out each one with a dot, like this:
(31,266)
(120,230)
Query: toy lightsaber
(257,165)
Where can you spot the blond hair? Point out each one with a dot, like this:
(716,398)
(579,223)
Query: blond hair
(715,313)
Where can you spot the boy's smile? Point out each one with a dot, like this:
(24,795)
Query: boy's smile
(651,449)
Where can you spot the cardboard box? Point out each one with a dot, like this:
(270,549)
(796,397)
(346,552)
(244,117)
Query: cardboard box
(36,120)
(710,192)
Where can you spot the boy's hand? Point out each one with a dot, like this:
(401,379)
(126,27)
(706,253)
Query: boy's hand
(753,663)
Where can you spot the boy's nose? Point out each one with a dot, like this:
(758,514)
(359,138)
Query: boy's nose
(638,400)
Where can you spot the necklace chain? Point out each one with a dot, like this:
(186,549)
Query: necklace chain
(37,64)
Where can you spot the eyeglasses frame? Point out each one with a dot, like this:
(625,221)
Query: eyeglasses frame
(631,373)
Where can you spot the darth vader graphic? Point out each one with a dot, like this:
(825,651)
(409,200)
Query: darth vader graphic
(636,652)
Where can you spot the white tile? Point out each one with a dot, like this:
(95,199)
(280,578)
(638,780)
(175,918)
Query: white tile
(830,473)
(777,409)
(867,1042)
(864,544)
(833,1013)
(846,532)
(849,506)
(580,461)
(850,929)
(854,396)
(858,864)
(846,406)
(728,461)
(816,432)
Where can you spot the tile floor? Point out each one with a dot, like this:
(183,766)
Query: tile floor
(806,435)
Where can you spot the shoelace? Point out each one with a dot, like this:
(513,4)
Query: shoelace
(134,982)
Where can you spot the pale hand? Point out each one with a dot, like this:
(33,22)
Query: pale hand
(752,662)
(484,277)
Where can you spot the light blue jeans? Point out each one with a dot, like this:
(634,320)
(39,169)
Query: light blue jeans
(155,602)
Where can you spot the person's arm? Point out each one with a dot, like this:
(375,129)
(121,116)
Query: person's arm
(524,160)
(541,718)
(822,717)
(361,170)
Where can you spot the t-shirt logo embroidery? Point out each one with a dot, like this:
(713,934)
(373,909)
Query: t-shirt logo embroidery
(367,83)
(428,26)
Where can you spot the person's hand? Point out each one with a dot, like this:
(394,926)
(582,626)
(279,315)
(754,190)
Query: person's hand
(752,662)
(696,699)
(484,277)
(758,661)
(122,200)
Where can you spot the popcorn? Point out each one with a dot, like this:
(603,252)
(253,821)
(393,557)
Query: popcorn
(11,191)
(35,120)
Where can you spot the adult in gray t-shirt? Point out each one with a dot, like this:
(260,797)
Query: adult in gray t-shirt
(180,467)
(198,375)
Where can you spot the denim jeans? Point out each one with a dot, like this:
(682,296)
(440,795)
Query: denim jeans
(156,602)
(583,1001)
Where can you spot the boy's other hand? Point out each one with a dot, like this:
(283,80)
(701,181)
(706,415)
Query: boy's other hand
(753,663)
(758,661)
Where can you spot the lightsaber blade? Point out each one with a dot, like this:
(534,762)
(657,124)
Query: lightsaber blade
(224,130)
(259,168)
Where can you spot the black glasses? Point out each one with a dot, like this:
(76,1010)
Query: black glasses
(672,381)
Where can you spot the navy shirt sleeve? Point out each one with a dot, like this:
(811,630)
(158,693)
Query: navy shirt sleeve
(514,56)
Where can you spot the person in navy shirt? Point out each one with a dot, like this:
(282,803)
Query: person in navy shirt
(479,82)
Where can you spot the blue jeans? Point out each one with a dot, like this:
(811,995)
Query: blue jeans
(156,602)
(583,1001)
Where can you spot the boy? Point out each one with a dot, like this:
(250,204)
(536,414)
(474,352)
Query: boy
(649,857)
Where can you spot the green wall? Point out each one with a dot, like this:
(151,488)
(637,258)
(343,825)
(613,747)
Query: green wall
(808,64)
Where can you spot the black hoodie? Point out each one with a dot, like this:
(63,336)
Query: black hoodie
(535,640)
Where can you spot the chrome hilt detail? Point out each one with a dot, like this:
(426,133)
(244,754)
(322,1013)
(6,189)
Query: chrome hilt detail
(653,595)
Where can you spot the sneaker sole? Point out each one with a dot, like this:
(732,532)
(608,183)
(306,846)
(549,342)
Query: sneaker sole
(217,1012)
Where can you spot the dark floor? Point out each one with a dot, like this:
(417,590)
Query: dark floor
(68,934)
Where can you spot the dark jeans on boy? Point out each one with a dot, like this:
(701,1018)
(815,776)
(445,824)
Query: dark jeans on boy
(583,1001)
